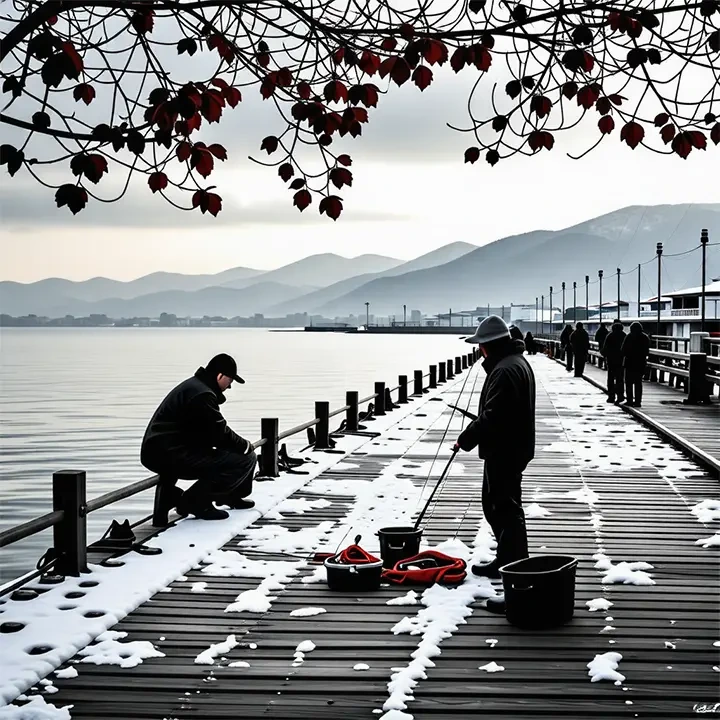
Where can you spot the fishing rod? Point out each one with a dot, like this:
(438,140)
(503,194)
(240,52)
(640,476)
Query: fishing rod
(466,413)
(435,489)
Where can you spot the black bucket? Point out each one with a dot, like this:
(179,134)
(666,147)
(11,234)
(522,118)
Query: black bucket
(398,543)
(355,577)
(539,591)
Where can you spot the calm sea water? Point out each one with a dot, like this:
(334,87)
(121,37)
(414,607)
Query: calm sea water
(81,398)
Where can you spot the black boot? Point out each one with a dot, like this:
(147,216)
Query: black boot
(488,570)
(240,504)
(496,604)
(203,510)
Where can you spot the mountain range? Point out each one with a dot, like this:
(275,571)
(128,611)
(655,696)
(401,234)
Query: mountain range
(458,275)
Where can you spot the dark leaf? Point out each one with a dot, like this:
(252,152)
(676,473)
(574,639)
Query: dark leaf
(297,184)
(269,144)
(476,6)
(582,35)
(654,56)
(632,133)
(52,72)
(12,85)
(667,133)
(570,90)
(513,88)
(499,123)
(218,151)
(519,13)
(41,120)
(102,133)
(661,119)
(286,171)
(331,206)
(714,41)
(340,176)
(540,105)
(135,142)
(187,45)
(207,202)
(606,124)
(302,199)
(73,196)
(472,155)
(528,82)
(715,134)
(158,181)
(84,92)
(603,105)
(682,145)
(422,76)
(12,157)
(183,151)
(335,91)
(344,160)
(492,157)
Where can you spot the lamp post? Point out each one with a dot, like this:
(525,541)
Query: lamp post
(587,297)
(618,293)
(600,275)
(659,251)
(551,312)
(404,315)
(563,303)
(367,315)
(574,301)
(536,315)
(703,242)
(542,314)
(638,297)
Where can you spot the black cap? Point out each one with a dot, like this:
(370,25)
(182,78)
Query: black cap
(225,365)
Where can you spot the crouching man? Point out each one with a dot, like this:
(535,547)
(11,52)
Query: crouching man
(504,434)
(189,439)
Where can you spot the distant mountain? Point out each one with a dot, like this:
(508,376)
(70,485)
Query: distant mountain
(325,269)
(312,301)
(519,268)
(227,302)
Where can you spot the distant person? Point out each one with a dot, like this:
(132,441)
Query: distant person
(515,332)
(566,347)
(504,434)
(580,344)
(635,351)
(530,344)
(612,352)
(600,334)
(189,439)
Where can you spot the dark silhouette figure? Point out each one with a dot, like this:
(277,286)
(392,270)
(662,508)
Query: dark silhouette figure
(580,344)
(566,347)
(600,334)
(530,344)
(612,352)
(188,439)
(516,332)
(635,351)
(504,434)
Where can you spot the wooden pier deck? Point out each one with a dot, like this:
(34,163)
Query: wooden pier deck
(610,486)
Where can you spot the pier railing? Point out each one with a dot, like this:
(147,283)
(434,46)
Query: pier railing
(696,370)
(68,519)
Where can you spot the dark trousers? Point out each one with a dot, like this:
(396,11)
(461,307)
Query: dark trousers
(221,475)
(615,382)
(580,360)
(633,386)
(502,506)
(568,358)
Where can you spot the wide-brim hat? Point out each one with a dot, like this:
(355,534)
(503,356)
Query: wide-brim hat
(491,328)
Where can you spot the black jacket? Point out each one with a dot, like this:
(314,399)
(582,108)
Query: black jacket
(635,349)
(580,341)
(612,347)
(505,427)
(189,418)
(600,336)
(565,336)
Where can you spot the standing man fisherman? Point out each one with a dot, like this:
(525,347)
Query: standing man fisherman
(580,343)
(189,439)
(600,336)
(566,347)
(504,434)
(635,351)
(612,352)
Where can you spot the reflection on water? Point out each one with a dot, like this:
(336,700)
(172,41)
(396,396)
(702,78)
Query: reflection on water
(81,398)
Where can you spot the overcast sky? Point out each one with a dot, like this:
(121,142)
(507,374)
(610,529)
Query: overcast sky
(411,194)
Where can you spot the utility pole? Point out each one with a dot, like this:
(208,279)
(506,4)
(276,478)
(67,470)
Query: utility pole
(600,275)
(450,318)
(536,315)
(587,297)
(639,279)
(404,315)
(618,293)
(542,314)
(703,242)
(563,303)
(659,251)
(551,312)
(574,301)
(367,315)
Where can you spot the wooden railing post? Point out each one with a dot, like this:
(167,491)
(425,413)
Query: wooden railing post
(269,430)
(380,399)
(698,387)
(433,376)
(418,382)
(458,368)
(471,359)
(464,360)
(450,373)
(402,389)
(388,400)
(70,534)
(441,372)
(351,414)
(322,429)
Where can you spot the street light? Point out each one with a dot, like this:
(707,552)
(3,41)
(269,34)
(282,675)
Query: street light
(587,296)
(551,311)
(404,315)
(600,275)
(703,241)
(367,315)
(563,304)
(574,301)
(618,293)
(659,251)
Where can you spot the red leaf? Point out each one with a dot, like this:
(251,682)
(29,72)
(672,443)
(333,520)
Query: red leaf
(667,133)
(570,89)
(285,171)
(212,105)
(540,139)
(459,59)
(93,167)
(407,31)
(371,95)
(338,55)
(588,96)
(632,133)
(76,62)
(207,202)
(267,87)
(482,58)
(340,177)
(616,99)
(183,151)
(269,144)
(233,96)
(606,124)
(359,114)
(142,21)
(201,160)
(472,155)
(302,199)
(220,83)
(697,139)
(715,134)
(218,151)
(304,90)
(603,105)
(435,52)
(588,62)
(388,44)
(84,92)
(331,206)
(263,59)
(369,63)
(662,119)
(73,196)
(682,145)
(540,105)
(335,91)
(297,184)
(194,122)
(284,78)
(158,181)
(400,73)
(422,76)
(346,160)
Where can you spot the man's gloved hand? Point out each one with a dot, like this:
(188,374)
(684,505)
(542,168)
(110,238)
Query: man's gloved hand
(246,447)
(456,447)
